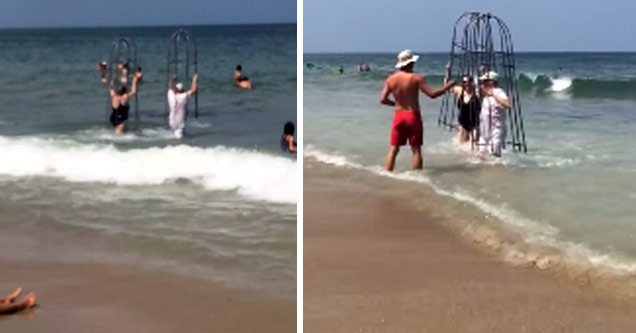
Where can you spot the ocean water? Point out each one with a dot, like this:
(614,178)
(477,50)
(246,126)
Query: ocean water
(219,204)
(570,200)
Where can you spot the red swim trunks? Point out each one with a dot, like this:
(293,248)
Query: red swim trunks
(407,125)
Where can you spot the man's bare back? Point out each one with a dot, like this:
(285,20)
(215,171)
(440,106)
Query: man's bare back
(407,125)
(405,86)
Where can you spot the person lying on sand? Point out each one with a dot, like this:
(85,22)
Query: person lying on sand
(8,304)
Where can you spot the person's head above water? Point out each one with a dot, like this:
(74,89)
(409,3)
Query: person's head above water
(406,60)
(239,67)
(122,91)
(289,128)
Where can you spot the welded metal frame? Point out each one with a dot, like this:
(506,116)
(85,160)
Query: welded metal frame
(183,42)
(482,42)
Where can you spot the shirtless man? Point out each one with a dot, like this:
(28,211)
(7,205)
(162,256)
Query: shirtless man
(177,101)
(404,85)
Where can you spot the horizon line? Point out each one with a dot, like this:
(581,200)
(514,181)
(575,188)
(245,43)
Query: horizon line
(146,26)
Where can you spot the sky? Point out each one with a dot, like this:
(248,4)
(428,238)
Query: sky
(110,13)
(427,26)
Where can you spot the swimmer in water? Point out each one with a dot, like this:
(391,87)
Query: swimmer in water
(101,68)
(240,80)
(287,142)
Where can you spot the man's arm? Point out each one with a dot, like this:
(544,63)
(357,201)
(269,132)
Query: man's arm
(171,82)
(193,87)
(435,93)
(133,90)
(111,89)
(384,95)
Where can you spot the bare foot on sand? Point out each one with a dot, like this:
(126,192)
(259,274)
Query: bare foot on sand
(29,300)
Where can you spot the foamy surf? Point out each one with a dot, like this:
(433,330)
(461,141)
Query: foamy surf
(560,84)
(536,243)
(251,174)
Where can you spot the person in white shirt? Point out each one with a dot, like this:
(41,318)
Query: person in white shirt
(492,119)
(177,101)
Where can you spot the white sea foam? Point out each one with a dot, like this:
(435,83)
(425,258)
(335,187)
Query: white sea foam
(540,242)
(255,175)
(560,84)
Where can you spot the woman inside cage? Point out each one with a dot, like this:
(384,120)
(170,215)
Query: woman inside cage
(494,112)
(469,104)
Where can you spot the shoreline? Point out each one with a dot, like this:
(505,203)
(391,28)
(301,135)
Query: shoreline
(378,258)
(123,298)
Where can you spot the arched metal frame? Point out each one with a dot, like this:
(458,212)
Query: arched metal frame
(123,50)
(182,54)
(482,42)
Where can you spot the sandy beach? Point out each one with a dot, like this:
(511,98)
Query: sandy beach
(119,298)
(378,259)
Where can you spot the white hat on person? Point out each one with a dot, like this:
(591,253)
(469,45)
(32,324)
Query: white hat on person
(406,57)
(179,86)
(490,75)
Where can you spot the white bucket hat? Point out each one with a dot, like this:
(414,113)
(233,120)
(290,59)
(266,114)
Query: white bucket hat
(406,57)
(490,75)
(179,86)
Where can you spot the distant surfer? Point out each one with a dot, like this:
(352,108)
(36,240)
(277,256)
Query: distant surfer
(177,101)
(469,105)
(492,121)
(340,69)
(240,80)
(287,142)
(9,305)
(119,102)
(407,126)
(310,65)
(558,73)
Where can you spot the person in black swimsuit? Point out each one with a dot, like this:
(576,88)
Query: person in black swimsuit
(469,105)
(119,104)
(287,142)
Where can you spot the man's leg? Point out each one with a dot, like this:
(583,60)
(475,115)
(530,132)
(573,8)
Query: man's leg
(390,157)
(417,157)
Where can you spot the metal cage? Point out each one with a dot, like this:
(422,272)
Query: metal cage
(182,57)
(482,42)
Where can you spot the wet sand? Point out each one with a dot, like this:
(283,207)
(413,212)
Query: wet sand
(120,298)
(377,258)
